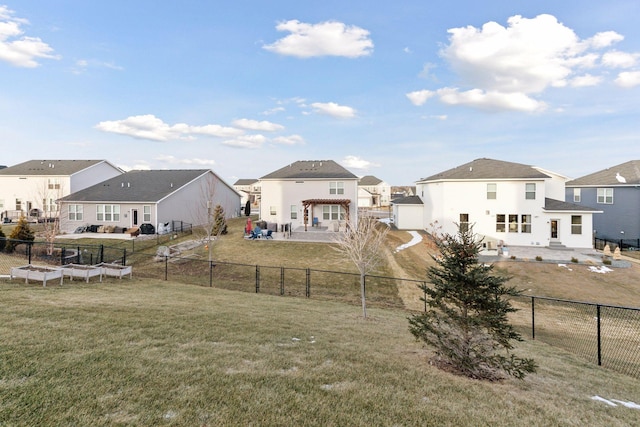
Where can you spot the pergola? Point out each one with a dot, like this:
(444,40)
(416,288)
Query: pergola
(344,203)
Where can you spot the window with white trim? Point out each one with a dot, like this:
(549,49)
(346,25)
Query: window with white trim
(605,196)
(501,223)
(576,195)
(492,191)
(294,212)
(525,224)
(576,224)
(513,223)
(336,187)
(76,213)
(1,204)
(332,212)
(530,191)
(108,213)
(272,210)
(53,184)
(464,222)
(146,214)
(18,204)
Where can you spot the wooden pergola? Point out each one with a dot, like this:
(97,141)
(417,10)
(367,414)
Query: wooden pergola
(344,203)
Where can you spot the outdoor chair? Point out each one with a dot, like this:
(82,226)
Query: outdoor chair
(267,234)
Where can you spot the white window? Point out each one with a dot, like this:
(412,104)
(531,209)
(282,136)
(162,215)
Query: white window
(525,226)
(18,204)
(513,223)
(1,204)
(576,224)
(332,212)
(492,191)
(53,184)
(108,213)
(75,213)
(605,196)
(576,195)
(464,222)
(272,210)
(530,191)
(500,223)
(146,214)
(294,212)
(336,187)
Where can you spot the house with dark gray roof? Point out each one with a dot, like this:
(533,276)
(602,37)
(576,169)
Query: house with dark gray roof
(249,190)
(310,193)
(32,187)
(616,192)
(149,197)
(506,203)
(373,192)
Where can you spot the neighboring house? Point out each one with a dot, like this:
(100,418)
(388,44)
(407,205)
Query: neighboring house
(379,192)
(149,197)
(505,202)
(249,189)
(304,190)
(31,188)
(408,213)
(616,192)
(401,191)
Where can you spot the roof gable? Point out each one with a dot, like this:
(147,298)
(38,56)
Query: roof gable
(137,186)
(559,205)
(484,169)
(311,169)
(248,181)
(623,174)
(369,180)
(49,167)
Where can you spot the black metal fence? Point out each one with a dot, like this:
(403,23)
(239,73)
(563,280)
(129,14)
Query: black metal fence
(27,252)
(623,244)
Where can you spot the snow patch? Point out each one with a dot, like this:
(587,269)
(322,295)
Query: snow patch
(417,238)
(602,269)
(616,402)
(565,266)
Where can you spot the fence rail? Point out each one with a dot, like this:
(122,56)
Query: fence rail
(623,244)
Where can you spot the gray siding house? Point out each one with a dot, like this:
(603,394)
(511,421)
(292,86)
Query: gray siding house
(149,197)
(616,192)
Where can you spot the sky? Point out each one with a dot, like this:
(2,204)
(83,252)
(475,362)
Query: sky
(400,90)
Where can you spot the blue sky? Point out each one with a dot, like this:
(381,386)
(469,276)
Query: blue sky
(400,90)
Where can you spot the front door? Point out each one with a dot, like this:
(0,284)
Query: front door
(555,229)
(134,216)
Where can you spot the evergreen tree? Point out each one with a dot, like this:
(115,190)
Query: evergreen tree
(466,320)
(21,232)
(219,222)
(247,208)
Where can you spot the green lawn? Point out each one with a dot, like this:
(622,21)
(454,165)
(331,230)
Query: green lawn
(143,352)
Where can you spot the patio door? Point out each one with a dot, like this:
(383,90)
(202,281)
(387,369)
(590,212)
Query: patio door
(134,216)
(555,230)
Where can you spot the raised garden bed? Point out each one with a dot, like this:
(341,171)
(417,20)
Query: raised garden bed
(37,272)
(82,271)
(115,270)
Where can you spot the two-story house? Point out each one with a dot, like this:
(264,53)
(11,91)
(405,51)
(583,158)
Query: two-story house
(509,203)
(308,193)
(32,188)
(616,192)
(373,192)
(249,190)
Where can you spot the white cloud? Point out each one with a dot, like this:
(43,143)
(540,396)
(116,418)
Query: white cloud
(419,97)
(628,79)
(289,140)
(605,39)
(328,38)
(246,141)
(272,111)
(616,59)
(17,49)
(191,162)
(82,65)
(152,128)
(264,126)
(353,162)
(334,110)
(491,100)
(138,166)
(585,80)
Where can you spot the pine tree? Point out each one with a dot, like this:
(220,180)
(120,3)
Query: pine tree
(219,222)
(21,232)
(466,320)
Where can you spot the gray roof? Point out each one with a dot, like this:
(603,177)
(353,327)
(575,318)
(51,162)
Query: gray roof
(137,186)
(410,200)
(628,172)
(245,181)
(558,205)
(369,180)
(311,169)
(484,169)
(49,167)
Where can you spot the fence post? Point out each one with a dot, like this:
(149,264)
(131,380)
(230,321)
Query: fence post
(29,251)
(62,255)
(124,256)
(166,267)
(210,273)
(599,337)
(533,318)
(78,256)
(101,253)
(281,280)
(308,284)
(257,279)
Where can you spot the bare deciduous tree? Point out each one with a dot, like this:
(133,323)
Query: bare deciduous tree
(49,193)
(362,244)
(203,215)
